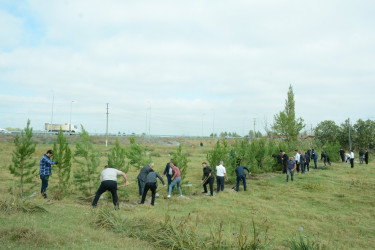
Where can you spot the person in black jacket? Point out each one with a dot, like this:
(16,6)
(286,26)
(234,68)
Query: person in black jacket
(366,156)
(307,161)
(302,161)
(285,159)
(361,156)
(151,183)
(208,178)
(342,155)
(279,158)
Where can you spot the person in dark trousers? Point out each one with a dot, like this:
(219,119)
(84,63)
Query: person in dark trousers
(342,155)
(168,172)
(314,156)
(351,158)
(366,156)
(326,159)
(297,159)
(285,159)
(361,156)
(108,179)
(302,162)
(221,176)
(291,168)
(45,171)
(307,161)
(151,183)
(142,177)
(208,178)
(279,158)
(241,175)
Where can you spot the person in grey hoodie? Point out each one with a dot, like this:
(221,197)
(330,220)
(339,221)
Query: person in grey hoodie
(151,183)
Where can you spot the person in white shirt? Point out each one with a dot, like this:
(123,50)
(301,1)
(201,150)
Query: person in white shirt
(297,159)
(351,158)
(108,179)
(220,174)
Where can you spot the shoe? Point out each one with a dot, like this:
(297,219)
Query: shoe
(168,196)
(181,195)
(139,202)
(204,192)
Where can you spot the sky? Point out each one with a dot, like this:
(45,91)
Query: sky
(184,67)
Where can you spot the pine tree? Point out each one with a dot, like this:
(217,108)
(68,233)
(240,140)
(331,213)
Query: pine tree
(63,155)
(86,176)
(137,155)
(116,159)
(23,167)
(181,161)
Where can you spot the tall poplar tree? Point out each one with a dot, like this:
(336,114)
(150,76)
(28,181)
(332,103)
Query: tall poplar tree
(23,167)
(285,123)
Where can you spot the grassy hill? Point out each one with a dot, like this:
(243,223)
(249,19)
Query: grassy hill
(329,208)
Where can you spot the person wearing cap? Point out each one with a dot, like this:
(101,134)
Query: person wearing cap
(108,182)
(208,178)
(45,171)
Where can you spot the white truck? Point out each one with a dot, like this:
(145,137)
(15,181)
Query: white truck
(67,127)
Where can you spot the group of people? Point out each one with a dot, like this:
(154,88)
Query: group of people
(147,177)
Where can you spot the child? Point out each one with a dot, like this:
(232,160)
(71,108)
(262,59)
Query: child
(291,167)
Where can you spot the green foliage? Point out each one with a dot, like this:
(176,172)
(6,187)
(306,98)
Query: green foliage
(88,158)
(181,161)
(332,149)
(365,134)
(23,167)
(137,155)
(327,131)
(343,136)
(63,155)
(13,204)
(300,242)
(116,159)
(286,124)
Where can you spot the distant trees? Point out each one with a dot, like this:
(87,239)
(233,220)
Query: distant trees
(285,123)
(23,167)
(362,133)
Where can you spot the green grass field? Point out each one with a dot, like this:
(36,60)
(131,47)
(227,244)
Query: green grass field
(332,208)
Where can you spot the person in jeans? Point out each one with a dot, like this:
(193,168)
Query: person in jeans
(207,178)
(220,175)
(45,171)
(291,167)
(168,172)
(241,175)
(108,179)
(176,179)
(361,156)
(151,183)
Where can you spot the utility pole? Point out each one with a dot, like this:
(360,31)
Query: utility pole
(106,130)
(149,123)
(350,141)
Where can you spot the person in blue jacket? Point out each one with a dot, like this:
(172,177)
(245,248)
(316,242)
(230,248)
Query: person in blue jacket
(168,172)
(314,156)
(241,175)
(45,171)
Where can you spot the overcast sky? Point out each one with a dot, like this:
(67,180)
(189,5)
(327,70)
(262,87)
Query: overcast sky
(184,67)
